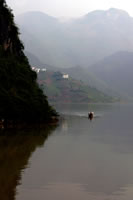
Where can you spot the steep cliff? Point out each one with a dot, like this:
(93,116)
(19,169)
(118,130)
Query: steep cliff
(20,96)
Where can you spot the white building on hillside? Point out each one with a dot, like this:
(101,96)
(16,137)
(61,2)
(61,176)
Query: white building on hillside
(36,69)
(65,76)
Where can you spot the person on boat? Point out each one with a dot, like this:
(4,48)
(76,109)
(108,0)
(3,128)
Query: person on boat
(90,115)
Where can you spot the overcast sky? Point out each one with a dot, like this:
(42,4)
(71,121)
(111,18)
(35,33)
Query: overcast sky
(68,8)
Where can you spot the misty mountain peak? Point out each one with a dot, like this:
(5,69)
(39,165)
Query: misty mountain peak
(116,13)
(36,13)
(112,13)
(82,41)
(35,17)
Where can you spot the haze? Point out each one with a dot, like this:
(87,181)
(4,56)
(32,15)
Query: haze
(68,8)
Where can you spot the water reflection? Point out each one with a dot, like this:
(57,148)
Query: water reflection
(64,125)
(16,148)
(83,159)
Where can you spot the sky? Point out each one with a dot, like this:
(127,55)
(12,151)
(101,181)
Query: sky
(68,8)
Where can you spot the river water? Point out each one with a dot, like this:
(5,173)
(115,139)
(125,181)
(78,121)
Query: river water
(78,160)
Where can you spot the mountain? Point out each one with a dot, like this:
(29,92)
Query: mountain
(35,62)
(102,75)
(21,98)
(83,41)
(43,36)
(77,73)
(117,72)
(90,79)
(86,75)
(61,88)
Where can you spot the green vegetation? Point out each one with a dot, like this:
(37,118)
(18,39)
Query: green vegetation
(69,90)
(21,98)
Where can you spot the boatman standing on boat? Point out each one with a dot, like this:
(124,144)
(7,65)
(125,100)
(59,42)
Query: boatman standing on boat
(90,115)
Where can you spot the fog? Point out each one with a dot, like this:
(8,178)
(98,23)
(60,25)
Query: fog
(98,39)
(68,8)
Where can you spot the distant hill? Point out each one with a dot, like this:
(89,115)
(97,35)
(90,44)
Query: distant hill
(43,36)
(111,75)
(35,62)
(117,72)
(90,79)
(83,41)
(78,73)
(106,75)
(69,90)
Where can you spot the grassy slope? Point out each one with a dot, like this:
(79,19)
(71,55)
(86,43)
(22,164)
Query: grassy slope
(69,90)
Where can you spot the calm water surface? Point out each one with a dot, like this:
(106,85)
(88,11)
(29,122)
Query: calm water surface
(78,160)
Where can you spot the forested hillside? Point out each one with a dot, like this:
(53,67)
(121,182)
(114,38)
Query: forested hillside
(61,88)
(20,96)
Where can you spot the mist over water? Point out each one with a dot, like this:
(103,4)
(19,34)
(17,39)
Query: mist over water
(83,159)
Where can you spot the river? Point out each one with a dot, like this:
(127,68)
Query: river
(77,160)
